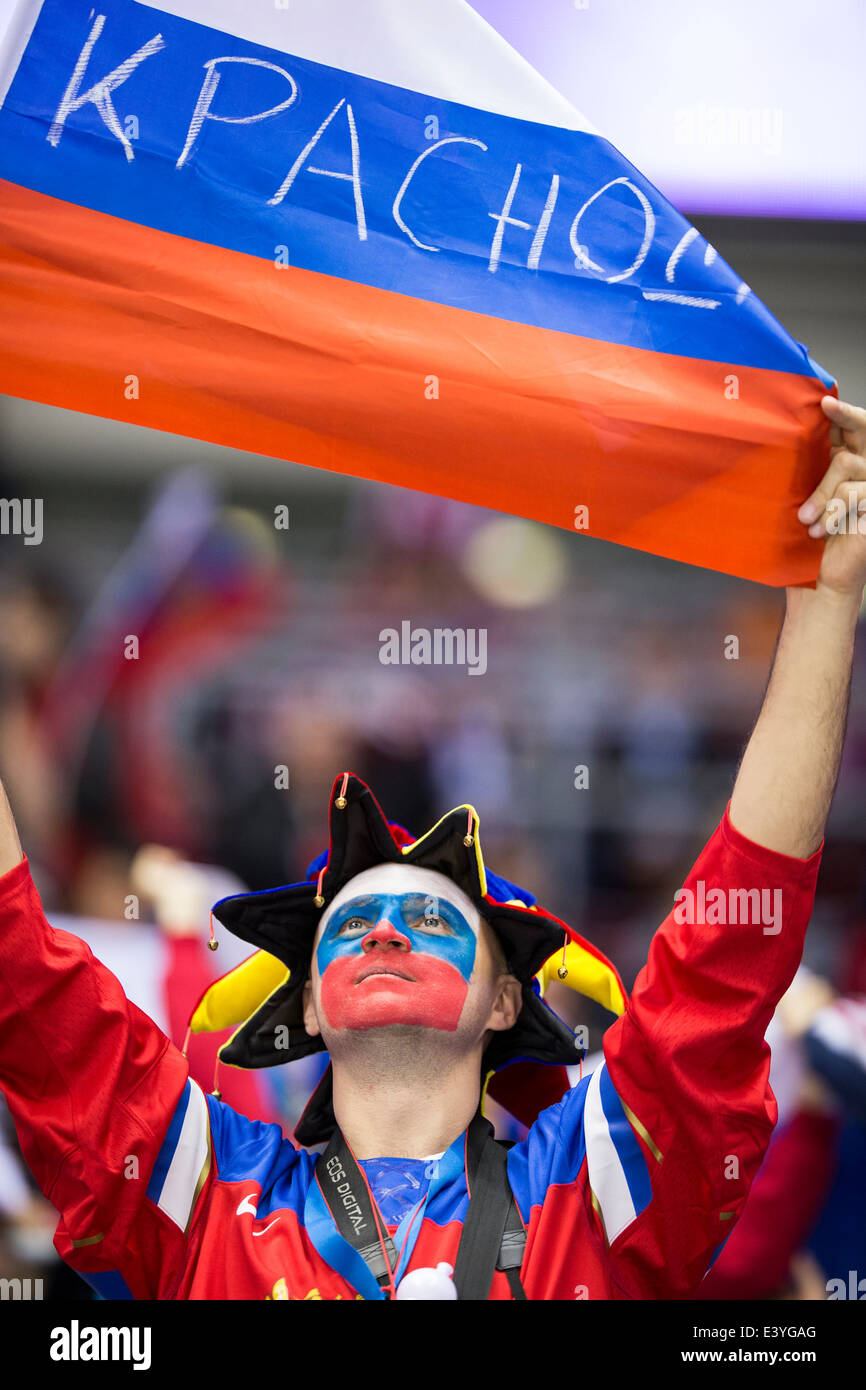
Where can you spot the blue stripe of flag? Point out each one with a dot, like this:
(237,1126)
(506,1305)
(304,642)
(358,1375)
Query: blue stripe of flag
(223,194)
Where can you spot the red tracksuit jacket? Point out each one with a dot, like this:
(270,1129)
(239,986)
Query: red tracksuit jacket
(628,1187)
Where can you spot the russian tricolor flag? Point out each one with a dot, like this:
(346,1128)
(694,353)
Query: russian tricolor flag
(367,237)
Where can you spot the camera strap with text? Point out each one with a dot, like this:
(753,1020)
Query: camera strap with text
(493,1235)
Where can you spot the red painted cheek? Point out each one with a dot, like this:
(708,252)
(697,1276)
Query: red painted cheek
(434,999)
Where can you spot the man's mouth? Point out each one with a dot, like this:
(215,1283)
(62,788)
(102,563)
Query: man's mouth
(384,970)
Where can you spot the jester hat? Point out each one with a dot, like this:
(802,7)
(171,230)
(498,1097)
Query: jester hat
(263,997)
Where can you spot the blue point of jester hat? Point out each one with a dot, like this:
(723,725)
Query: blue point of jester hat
(263,997)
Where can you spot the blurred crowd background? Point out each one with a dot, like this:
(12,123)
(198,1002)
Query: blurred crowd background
(258,650)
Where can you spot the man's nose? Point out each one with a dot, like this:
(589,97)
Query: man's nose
(386,935)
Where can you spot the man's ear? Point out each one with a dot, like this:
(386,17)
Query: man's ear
(311,1023)
(509,1003)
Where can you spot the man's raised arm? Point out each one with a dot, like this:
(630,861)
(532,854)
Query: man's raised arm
(688,1060)
(785,784)
(92,1085)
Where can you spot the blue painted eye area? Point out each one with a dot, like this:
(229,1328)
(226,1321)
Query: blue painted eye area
(352,925)
(413,910)
(431,925)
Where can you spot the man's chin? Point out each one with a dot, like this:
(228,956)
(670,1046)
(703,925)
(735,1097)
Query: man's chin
(387,1014)
(386,1001)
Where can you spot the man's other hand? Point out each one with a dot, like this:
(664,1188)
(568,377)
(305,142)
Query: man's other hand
(837,507)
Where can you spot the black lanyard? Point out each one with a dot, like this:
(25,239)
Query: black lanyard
(352,1205)
(493,1235)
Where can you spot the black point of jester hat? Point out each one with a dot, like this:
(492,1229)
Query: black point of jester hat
(283,922)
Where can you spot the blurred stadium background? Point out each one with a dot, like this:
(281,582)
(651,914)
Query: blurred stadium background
(260,649)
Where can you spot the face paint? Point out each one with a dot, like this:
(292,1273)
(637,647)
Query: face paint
(397,955)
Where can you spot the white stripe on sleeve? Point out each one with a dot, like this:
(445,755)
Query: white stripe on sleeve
(190,1156)
(606,1174)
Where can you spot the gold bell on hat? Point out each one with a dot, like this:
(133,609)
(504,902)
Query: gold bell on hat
(562,972)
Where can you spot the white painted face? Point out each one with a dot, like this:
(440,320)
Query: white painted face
(396,879)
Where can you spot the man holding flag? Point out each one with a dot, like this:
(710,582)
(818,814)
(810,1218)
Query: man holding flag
(417,968)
